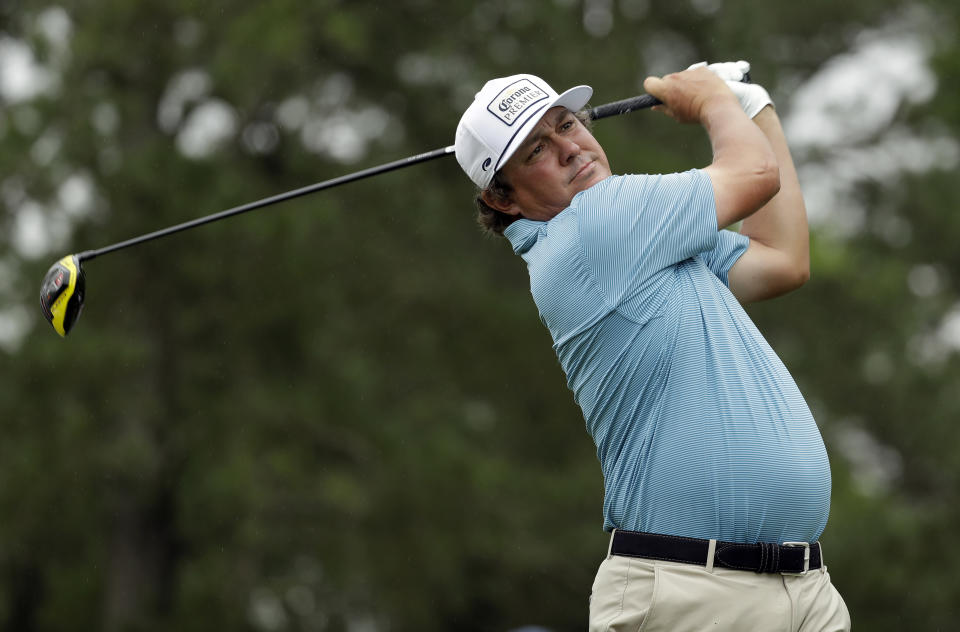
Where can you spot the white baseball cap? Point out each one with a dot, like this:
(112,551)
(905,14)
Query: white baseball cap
(501,117)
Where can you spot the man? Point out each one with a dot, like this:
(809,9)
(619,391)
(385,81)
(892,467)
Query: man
(717,484)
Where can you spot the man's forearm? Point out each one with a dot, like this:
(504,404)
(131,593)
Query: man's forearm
(744,170)
(781,223)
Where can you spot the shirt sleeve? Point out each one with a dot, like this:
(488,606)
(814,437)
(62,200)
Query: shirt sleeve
(633,227)
(730,247)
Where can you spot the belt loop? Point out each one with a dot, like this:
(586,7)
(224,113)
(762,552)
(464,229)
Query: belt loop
(610,546)
(711,552)
(823,561)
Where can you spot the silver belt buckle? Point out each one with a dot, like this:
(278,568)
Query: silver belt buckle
(806,557)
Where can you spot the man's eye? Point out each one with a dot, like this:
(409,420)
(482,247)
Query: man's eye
(567,125)
(536,150)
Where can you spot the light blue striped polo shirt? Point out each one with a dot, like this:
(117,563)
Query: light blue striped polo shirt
(700,429)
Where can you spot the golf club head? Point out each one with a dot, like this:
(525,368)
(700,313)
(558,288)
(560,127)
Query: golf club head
(61,294)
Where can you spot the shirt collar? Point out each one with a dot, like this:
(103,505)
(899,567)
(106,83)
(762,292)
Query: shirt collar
(523,233)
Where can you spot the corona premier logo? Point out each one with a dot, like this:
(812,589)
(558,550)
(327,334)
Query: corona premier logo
(511,102)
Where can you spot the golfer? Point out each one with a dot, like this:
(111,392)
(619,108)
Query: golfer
(717,484)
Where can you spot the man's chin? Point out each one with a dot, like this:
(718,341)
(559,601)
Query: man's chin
(590,175)
(596,177)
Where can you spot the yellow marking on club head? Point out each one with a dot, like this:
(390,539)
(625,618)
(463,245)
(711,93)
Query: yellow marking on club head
(59,307)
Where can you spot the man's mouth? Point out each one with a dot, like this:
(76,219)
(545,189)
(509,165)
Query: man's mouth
(582,170)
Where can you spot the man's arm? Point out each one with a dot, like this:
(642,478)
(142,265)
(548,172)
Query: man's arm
(778,258)
(744,169)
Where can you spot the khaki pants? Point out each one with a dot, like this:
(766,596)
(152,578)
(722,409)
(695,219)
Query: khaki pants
(652,596)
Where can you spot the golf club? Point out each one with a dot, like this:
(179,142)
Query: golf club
(64,285)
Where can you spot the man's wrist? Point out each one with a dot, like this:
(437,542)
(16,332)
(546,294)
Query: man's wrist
(719,106)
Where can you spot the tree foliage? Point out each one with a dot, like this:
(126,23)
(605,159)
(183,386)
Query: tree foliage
(342,413)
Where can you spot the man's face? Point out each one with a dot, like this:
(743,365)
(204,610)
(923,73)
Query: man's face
(559,159)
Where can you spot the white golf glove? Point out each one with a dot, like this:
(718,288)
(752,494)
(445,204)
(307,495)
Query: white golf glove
(752,96)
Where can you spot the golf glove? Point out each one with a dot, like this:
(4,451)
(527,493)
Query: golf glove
(753,97)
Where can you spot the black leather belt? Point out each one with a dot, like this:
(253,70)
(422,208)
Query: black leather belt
(789,557)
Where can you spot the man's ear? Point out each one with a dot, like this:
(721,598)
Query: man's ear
(502,204)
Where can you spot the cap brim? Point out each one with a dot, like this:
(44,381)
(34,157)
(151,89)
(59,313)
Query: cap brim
(573,99)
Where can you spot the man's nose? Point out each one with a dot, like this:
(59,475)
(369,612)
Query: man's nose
(568,150)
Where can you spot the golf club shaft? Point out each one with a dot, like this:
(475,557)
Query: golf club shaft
(280,197)
(602,111)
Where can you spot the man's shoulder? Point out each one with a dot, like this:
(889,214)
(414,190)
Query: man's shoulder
(632,197)
(633,185)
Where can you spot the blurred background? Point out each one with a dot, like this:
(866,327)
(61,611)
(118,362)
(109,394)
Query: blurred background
(343,413)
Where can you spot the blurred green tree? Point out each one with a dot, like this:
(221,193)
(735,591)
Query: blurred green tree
(342,413)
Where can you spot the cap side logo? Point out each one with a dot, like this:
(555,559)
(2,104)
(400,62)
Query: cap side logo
(511,102)
(486,164)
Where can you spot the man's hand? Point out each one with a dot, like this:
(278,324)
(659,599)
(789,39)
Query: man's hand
(688,95)
(752,97)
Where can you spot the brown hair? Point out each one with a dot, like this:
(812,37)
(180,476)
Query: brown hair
(492,221)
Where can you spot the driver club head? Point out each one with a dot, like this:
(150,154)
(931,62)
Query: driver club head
(61,294)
